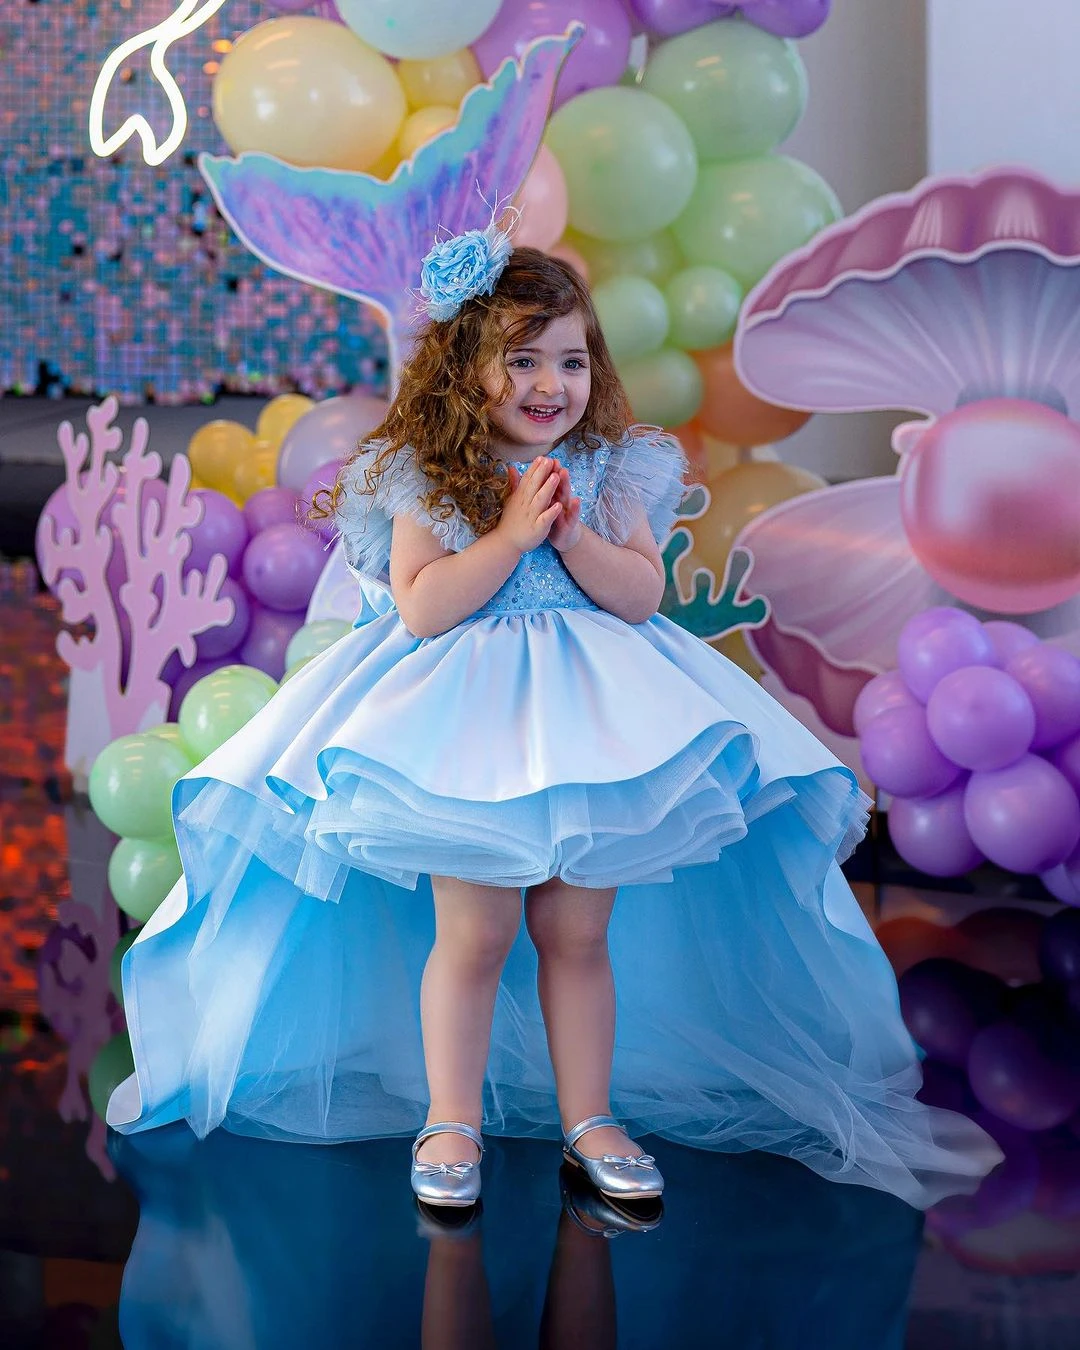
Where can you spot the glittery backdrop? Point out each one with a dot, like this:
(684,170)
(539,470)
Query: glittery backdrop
(119,277)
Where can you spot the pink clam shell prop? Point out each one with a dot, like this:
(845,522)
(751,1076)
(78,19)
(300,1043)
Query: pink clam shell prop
(959,300)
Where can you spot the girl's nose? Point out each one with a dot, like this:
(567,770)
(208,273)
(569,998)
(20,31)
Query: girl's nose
(547,380)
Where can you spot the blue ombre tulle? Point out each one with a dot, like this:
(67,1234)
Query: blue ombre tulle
(276,991)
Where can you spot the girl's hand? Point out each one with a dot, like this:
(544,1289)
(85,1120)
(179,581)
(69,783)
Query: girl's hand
(531,508)
(566,531)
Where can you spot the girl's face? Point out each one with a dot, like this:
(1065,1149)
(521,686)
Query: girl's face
(551,385)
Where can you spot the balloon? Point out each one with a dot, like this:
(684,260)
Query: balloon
(731,413)
(879,695)
(1050,676)
(226,637)
(141,874)
(1066,759)
(423,126)
(565,253)
(222,529)
(746,215)
(633,315)
(704,305)
(281,566)
(417,30)
(131,784)
(1060,883)
(1009,638)
(899,756)
(168,731)
(279,415)
(944,1003)
(314,638)
(740,91)
(321,480)
(629,162)
(740,495)
(182,679)
(269,636)
(945,1087)
(1008,1192)
(1004,940)
(600,57)
(216,449)
(990,499)
(981,718)
(1025,818)
(1018,1082)
(443,79)
(271,506)
(112,1064)
(656,257)
(937,641)
(931,834)
(331,430)
(788,18)
(331,101)
(910,939)
(1059,947)
(667,17)
(123,946)
(664,387)
(255,473)
(220,704)
(544,203)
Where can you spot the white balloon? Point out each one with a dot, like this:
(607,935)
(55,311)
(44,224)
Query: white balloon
(417,30)
(330,431)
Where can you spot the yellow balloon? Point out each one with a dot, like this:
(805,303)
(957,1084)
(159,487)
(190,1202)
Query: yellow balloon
(256,472)
(309,91)
(386,164)
(738,496)
(422,125)
(197,484)
(216,449)
(278,416)
(445,79)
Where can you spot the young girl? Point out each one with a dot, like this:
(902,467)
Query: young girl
(344,957)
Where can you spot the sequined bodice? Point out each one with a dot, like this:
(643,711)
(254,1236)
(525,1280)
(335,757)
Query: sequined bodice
(540,580)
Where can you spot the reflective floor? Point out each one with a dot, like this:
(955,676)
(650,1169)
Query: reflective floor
(160,1242)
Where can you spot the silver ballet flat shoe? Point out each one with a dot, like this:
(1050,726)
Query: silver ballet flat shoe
(601,1216)
(618,1177)
(456,1185)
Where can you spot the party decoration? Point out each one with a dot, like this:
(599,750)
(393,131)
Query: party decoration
(937,642)
(931,833)
(656,257)
(1015,1078)
(220,531)
(271,506)
(900,756)
(313,639)
(1050,677)
(418,30)
(141,874)
(543,202)
(1025,818)
(422,126)
(216,449)
(335,102)
(131,783)
(664,387)
(739,495)
(784,18)
(281,566)
(112,1064)
(279,415)
(633,315)
(220,704)
(443,80)
(629,161)
(703,303)
(980,718)
(332,430)
(731,413)
(226,637)
(879,695)
(945,1004)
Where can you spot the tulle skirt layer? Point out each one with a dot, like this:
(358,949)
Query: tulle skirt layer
(276,990)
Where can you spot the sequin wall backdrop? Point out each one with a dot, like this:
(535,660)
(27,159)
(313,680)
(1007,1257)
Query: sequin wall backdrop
(118,277)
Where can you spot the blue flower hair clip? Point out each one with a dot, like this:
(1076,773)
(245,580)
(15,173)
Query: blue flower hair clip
(462,267)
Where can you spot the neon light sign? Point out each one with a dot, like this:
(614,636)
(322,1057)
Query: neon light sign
(186,18)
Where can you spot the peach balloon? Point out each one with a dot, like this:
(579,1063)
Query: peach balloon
(571,256)
(692,439)
(730,412)
(543,202)
(422,126)
(310,92)
(444,79)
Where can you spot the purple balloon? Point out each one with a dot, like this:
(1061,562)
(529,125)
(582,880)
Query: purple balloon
(331,430)
(665,18)
(153,490)
(221,530)
(323,478)
(600,58)
(1009,638)
(1051,678)
(1059,947)
(226,637)
(900,757)
(938,641)
(788,18)
(1059,882)
(947,1088)
(1017,1081)
(879,695)
(981,718)
(1025,818)
(190,676)
(270,506)
(1008,1191)
(270,633)
(1066,759)
(931,834)
(282,565)
(944,1003)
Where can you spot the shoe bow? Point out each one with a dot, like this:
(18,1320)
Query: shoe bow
(459,1170)
(643,1160)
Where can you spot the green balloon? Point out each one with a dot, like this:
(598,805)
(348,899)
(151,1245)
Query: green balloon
(745,216)
(704,305)
(221,703)
(656,258)
(740,91)
(131,784)
(112,1064)
(168,731)
(142,872)
(664,388)
(295,670)
(633,315)
(116,983)
(314,638)
(629,162)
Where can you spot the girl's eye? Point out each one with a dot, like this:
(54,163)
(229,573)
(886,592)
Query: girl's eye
(520,362)
(575,364)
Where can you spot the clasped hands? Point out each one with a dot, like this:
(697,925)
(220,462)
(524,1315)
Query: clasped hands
(541,506)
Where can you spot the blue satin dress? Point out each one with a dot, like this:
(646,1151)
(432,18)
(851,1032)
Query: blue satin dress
(276,990)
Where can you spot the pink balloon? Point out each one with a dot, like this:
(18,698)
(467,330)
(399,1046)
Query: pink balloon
(899,756)
(879,695)
(282,565)
(930,833)
(544,204)
(990,499)
(1051,678)
(600,58)
(938,641)
(1025,818)
(270,634)
(331,430)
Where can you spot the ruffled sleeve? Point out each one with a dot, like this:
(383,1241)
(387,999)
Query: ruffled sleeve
(364,520)
(644,472)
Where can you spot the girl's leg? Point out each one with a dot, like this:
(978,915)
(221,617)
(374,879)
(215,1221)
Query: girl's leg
(568,925)
(475,927)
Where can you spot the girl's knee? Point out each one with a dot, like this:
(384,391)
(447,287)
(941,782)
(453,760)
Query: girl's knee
(562,930)
(481,941)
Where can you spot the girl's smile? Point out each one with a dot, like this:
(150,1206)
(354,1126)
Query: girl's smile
(551,383)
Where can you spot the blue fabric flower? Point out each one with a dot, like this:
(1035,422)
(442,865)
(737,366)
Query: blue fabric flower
(461,267)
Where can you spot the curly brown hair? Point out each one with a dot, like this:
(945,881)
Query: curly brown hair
(442,412)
